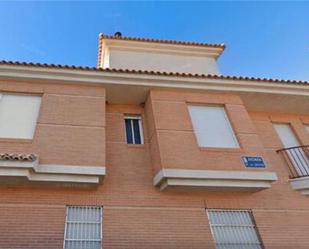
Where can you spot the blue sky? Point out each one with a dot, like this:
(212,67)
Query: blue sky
(263,39)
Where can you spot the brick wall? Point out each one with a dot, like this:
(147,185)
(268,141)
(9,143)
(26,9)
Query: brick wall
(155,228)
(136,214)
(31,226)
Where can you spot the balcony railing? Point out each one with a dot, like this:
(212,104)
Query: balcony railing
(297,159)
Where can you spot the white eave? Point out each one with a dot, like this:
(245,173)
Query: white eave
(166,48)
(214,179)
(138,84)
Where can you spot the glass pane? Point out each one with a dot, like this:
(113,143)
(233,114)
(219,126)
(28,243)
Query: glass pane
(230,217)
(90,214)
(84,231)
(137,134)
(129,131)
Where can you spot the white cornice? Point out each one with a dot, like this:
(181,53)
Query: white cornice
(163,48)
(300,184)
(48,173)
(214,179)
(148,81)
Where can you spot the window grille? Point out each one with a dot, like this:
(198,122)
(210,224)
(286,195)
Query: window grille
(83,228)
(234,229)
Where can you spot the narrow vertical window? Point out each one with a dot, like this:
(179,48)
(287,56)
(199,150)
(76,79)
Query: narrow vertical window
(134,130)
(212,127)
(83,228)
(234,229)
(18,115)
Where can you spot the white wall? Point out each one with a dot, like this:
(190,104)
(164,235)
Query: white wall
(162,62)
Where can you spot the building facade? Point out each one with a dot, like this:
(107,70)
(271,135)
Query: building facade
(151,149)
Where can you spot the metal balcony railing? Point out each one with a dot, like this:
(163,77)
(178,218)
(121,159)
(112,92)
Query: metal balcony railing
(297,158)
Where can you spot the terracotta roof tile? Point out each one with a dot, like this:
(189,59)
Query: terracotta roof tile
(161,41)
(145,72)
(186,43)
(17,157)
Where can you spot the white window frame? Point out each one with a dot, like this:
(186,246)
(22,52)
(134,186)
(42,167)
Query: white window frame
(252,226)
(83,222)
(140,125)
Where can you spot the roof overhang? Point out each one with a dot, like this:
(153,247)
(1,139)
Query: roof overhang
(166,48)
(125,86)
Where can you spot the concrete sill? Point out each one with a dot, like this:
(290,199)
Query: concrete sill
(300,184)
(214,179)
(67,175)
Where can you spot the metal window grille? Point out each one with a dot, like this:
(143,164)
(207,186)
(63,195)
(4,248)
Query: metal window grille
(83,228)
(234,229)
(134,130)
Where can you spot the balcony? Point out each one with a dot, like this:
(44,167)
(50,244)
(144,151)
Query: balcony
(297,159)
(214,179)
(25,169)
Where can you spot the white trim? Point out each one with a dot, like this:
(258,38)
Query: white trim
(166,48)
(57,75)
(132,131)
(214,179)
(141,130)
(300,184)
(131,118)
(35,172)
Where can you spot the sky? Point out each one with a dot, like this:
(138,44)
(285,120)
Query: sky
(263,39)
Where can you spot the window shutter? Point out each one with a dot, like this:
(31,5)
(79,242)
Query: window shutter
(18,115)
(212,127)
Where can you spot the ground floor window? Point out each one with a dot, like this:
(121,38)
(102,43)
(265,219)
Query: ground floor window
(83,227)
(234,229)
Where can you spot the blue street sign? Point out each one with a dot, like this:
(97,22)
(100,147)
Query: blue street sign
(253,161)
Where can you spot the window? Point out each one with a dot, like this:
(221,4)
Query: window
(297,156)
(307,127)
(212,127)
(234,229)
(18,115)
(286,135)
(134,130)
(83,228)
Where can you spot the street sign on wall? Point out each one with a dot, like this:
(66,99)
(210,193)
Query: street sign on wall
(253,162)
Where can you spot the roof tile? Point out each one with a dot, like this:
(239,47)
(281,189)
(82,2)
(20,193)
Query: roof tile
(17,157)
(101,36)
(145,72)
